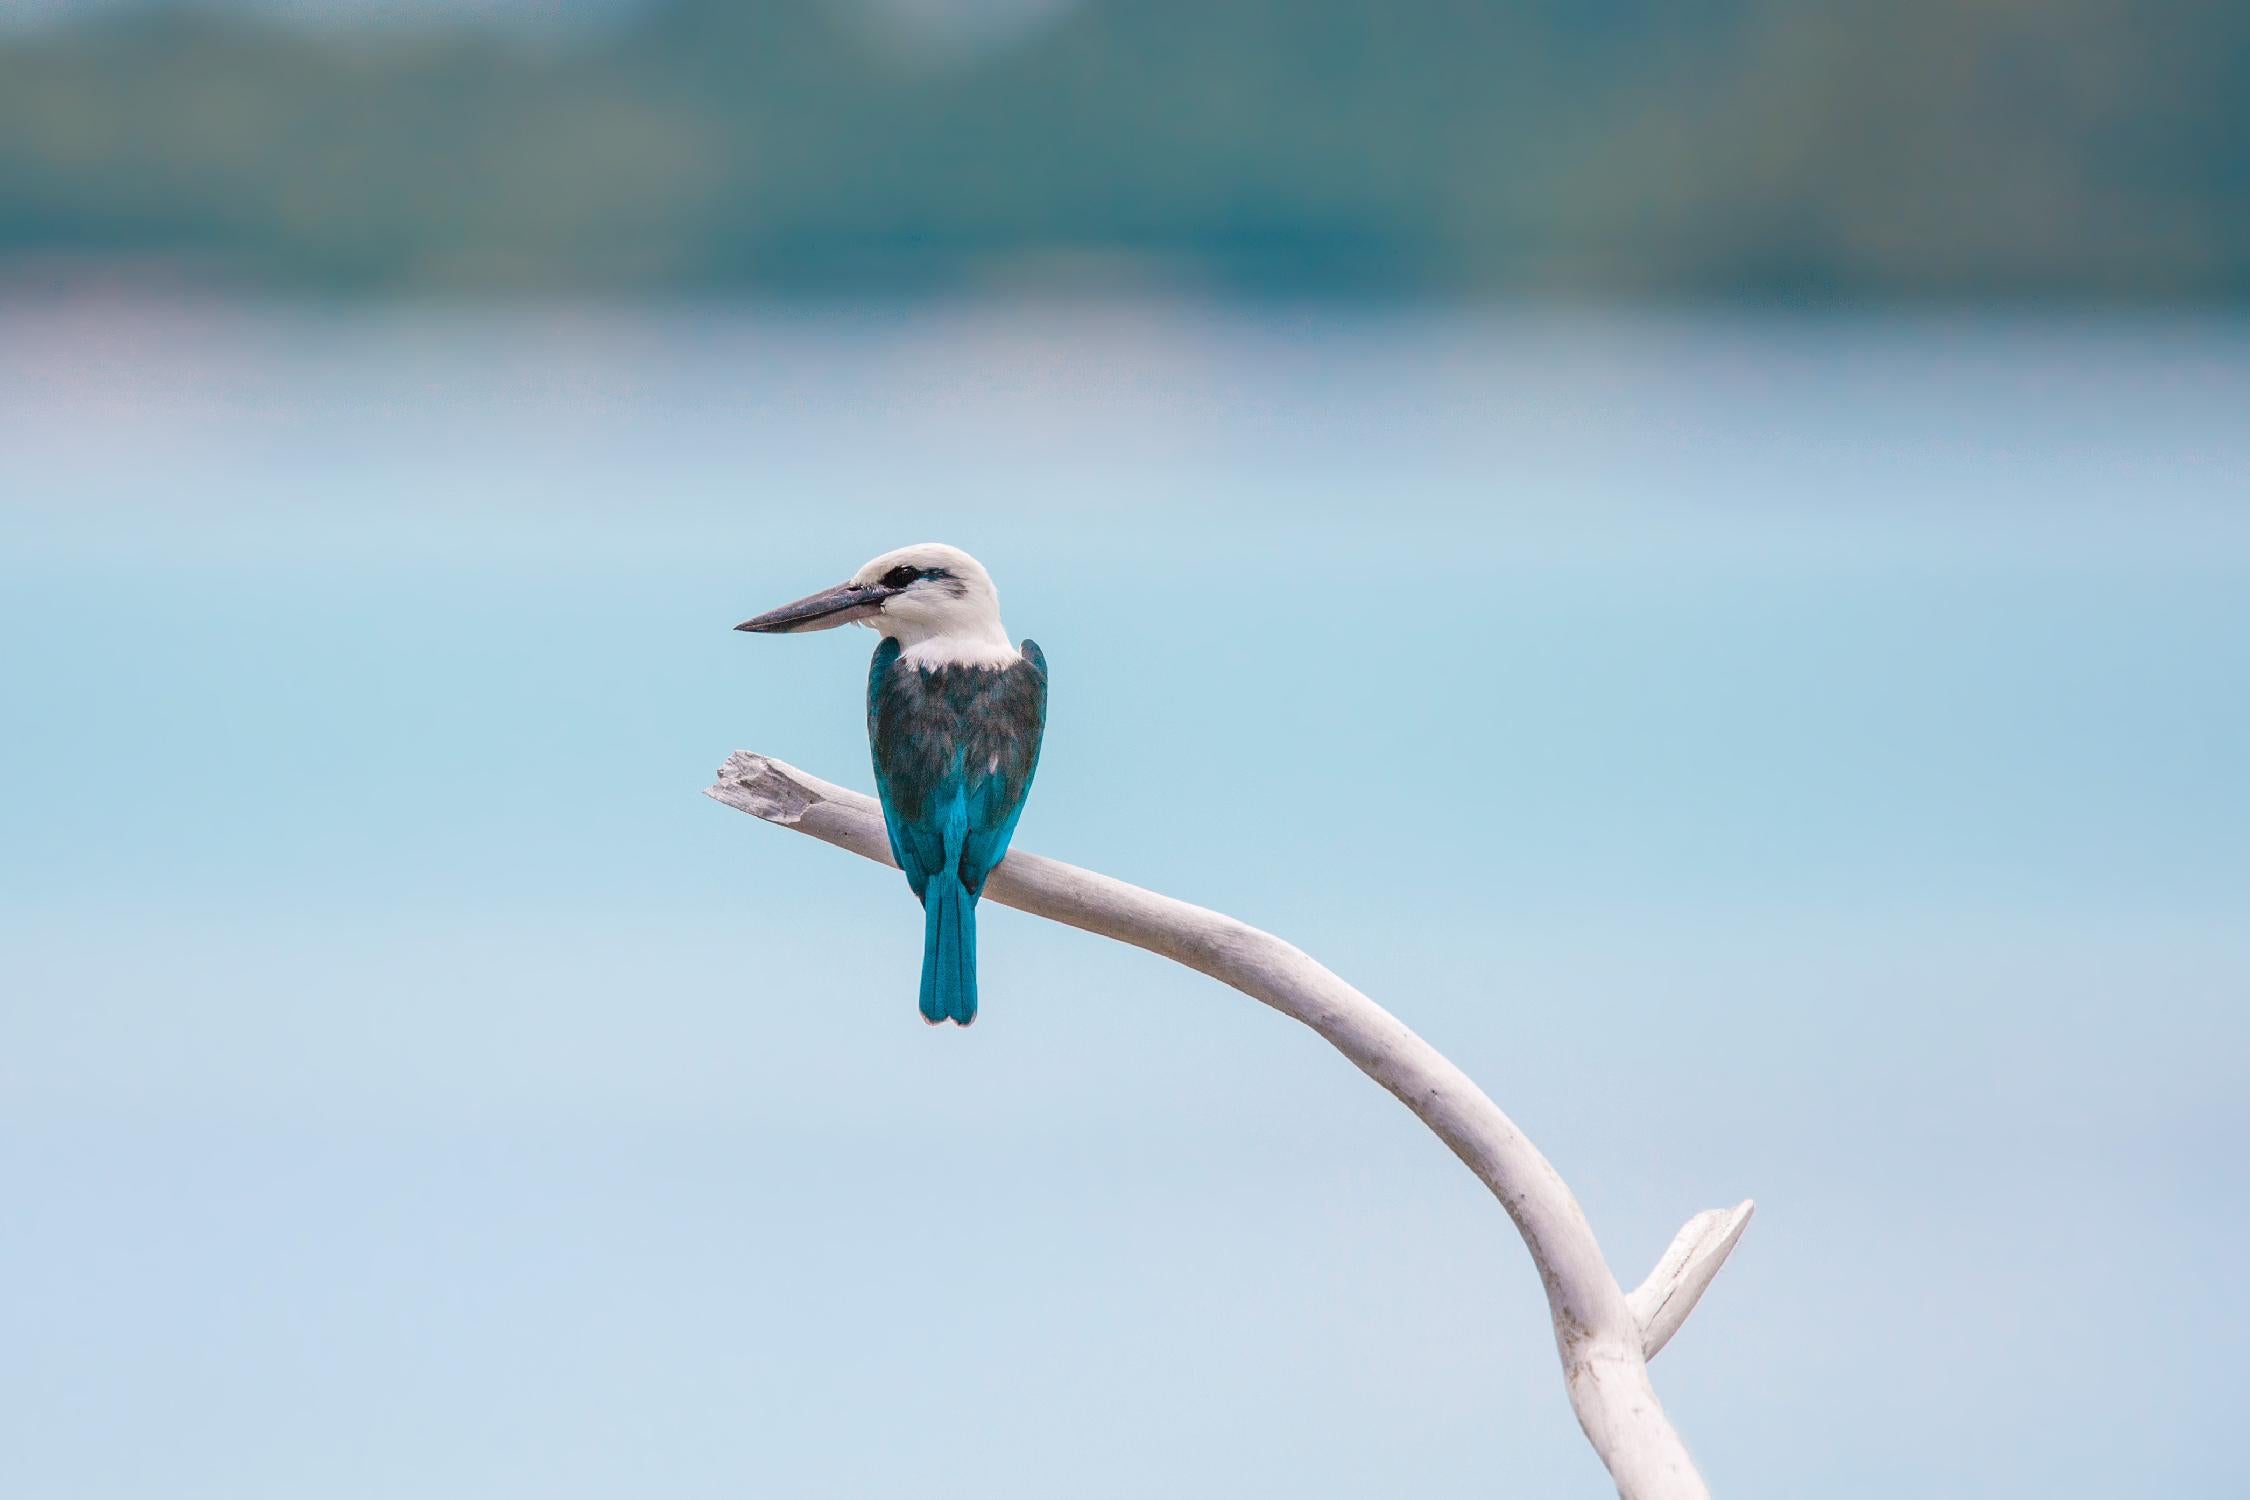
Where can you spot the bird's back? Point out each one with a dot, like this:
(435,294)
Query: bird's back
(934,727)
(955,747)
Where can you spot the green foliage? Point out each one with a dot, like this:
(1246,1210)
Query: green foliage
(1755,147)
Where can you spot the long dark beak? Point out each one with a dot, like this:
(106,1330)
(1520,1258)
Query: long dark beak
(822,611)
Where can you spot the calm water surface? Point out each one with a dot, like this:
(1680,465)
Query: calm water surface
(1800,759)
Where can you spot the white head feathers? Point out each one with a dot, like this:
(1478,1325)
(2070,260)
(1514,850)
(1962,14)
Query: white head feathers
(942,608)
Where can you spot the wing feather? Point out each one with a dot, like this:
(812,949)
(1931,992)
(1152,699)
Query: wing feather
(955,749)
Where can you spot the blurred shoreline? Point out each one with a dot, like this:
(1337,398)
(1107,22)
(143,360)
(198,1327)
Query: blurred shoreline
(1747,151)
(1106,283)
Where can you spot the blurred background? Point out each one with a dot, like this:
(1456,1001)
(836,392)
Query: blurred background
(1700,553)
(1741,148)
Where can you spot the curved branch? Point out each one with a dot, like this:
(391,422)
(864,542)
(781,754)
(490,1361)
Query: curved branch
(1605,1338)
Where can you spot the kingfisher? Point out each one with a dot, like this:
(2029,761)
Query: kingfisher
(955,713)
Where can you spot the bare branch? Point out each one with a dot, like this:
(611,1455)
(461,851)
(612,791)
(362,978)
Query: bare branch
(1661,1303)
(1604,1339)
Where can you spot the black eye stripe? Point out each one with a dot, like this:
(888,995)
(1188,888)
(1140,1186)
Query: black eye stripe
(902,575)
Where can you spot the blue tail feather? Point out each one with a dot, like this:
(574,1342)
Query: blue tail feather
(949,951)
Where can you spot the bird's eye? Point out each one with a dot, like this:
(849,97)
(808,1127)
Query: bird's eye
(900,576)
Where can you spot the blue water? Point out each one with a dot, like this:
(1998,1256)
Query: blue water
(1792,759)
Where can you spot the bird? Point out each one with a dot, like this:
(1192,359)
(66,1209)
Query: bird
(955,716)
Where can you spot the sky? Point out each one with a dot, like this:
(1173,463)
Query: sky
(1790,759)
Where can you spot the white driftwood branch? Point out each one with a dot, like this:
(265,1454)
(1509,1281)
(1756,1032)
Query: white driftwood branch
(1661,1303)
(1604,1337)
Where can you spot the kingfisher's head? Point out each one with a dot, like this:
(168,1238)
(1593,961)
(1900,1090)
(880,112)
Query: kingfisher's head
(924,592)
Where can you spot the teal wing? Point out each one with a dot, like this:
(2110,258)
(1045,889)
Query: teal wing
(906,852)
(955,750)
(999,781)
